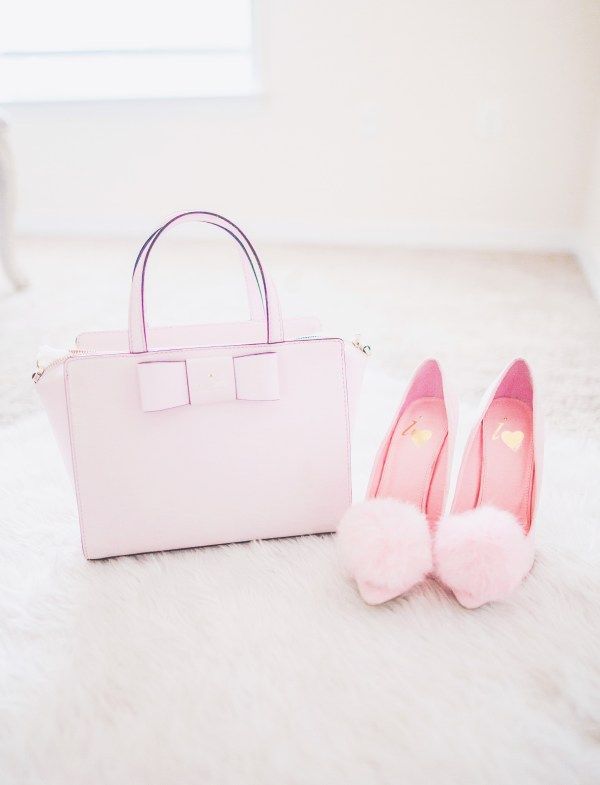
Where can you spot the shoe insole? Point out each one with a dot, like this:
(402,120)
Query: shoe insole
(507,458)
(413,453)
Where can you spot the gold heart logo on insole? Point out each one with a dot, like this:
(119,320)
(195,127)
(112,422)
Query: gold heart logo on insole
(420,436)
(512,439)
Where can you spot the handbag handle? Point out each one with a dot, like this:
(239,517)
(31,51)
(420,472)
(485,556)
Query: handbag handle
(253,268)
(253,288)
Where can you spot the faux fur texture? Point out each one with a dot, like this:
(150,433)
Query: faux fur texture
(258,664)
(482,555)
(385,545)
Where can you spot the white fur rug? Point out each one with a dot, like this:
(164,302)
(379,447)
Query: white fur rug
(258,664)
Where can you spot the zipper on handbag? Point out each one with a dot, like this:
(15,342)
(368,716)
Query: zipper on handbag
(41,367)
(362,347)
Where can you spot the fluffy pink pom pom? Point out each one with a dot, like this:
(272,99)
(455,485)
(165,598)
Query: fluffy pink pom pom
(482,555)
(385,545)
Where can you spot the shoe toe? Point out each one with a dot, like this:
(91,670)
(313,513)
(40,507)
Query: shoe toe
(385,545)
(482,555)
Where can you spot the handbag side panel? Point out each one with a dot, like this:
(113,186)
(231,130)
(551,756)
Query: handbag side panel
(51,390)
(208,473)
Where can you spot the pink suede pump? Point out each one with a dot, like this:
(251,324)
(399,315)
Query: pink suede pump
(385,542)
(485,547)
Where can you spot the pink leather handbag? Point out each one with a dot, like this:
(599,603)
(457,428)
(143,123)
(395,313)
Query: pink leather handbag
(185,436)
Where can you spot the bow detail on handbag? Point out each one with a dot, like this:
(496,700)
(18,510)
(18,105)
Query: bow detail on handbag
(166,384)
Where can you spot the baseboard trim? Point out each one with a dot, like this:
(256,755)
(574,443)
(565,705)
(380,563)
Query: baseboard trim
(417,236)
(589,261)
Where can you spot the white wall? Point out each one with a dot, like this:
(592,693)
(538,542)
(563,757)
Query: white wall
(435,122)
(590,241)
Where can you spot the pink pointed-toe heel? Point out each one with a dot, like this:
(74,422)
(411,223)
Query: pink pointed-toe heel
(485,547)
(385,542)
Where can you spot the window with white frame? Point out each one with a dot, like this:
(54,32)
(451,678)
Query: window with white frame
(69,50)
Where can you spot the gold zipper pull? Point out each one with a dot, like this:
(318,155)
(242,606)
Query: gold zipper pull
(363,347)
(49,357)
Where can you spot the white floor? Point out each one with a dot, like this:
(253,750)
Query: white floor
(258,663)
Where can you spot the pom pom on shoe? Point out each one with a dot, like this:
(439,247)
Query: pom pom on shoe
(385,545)
(482,555)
